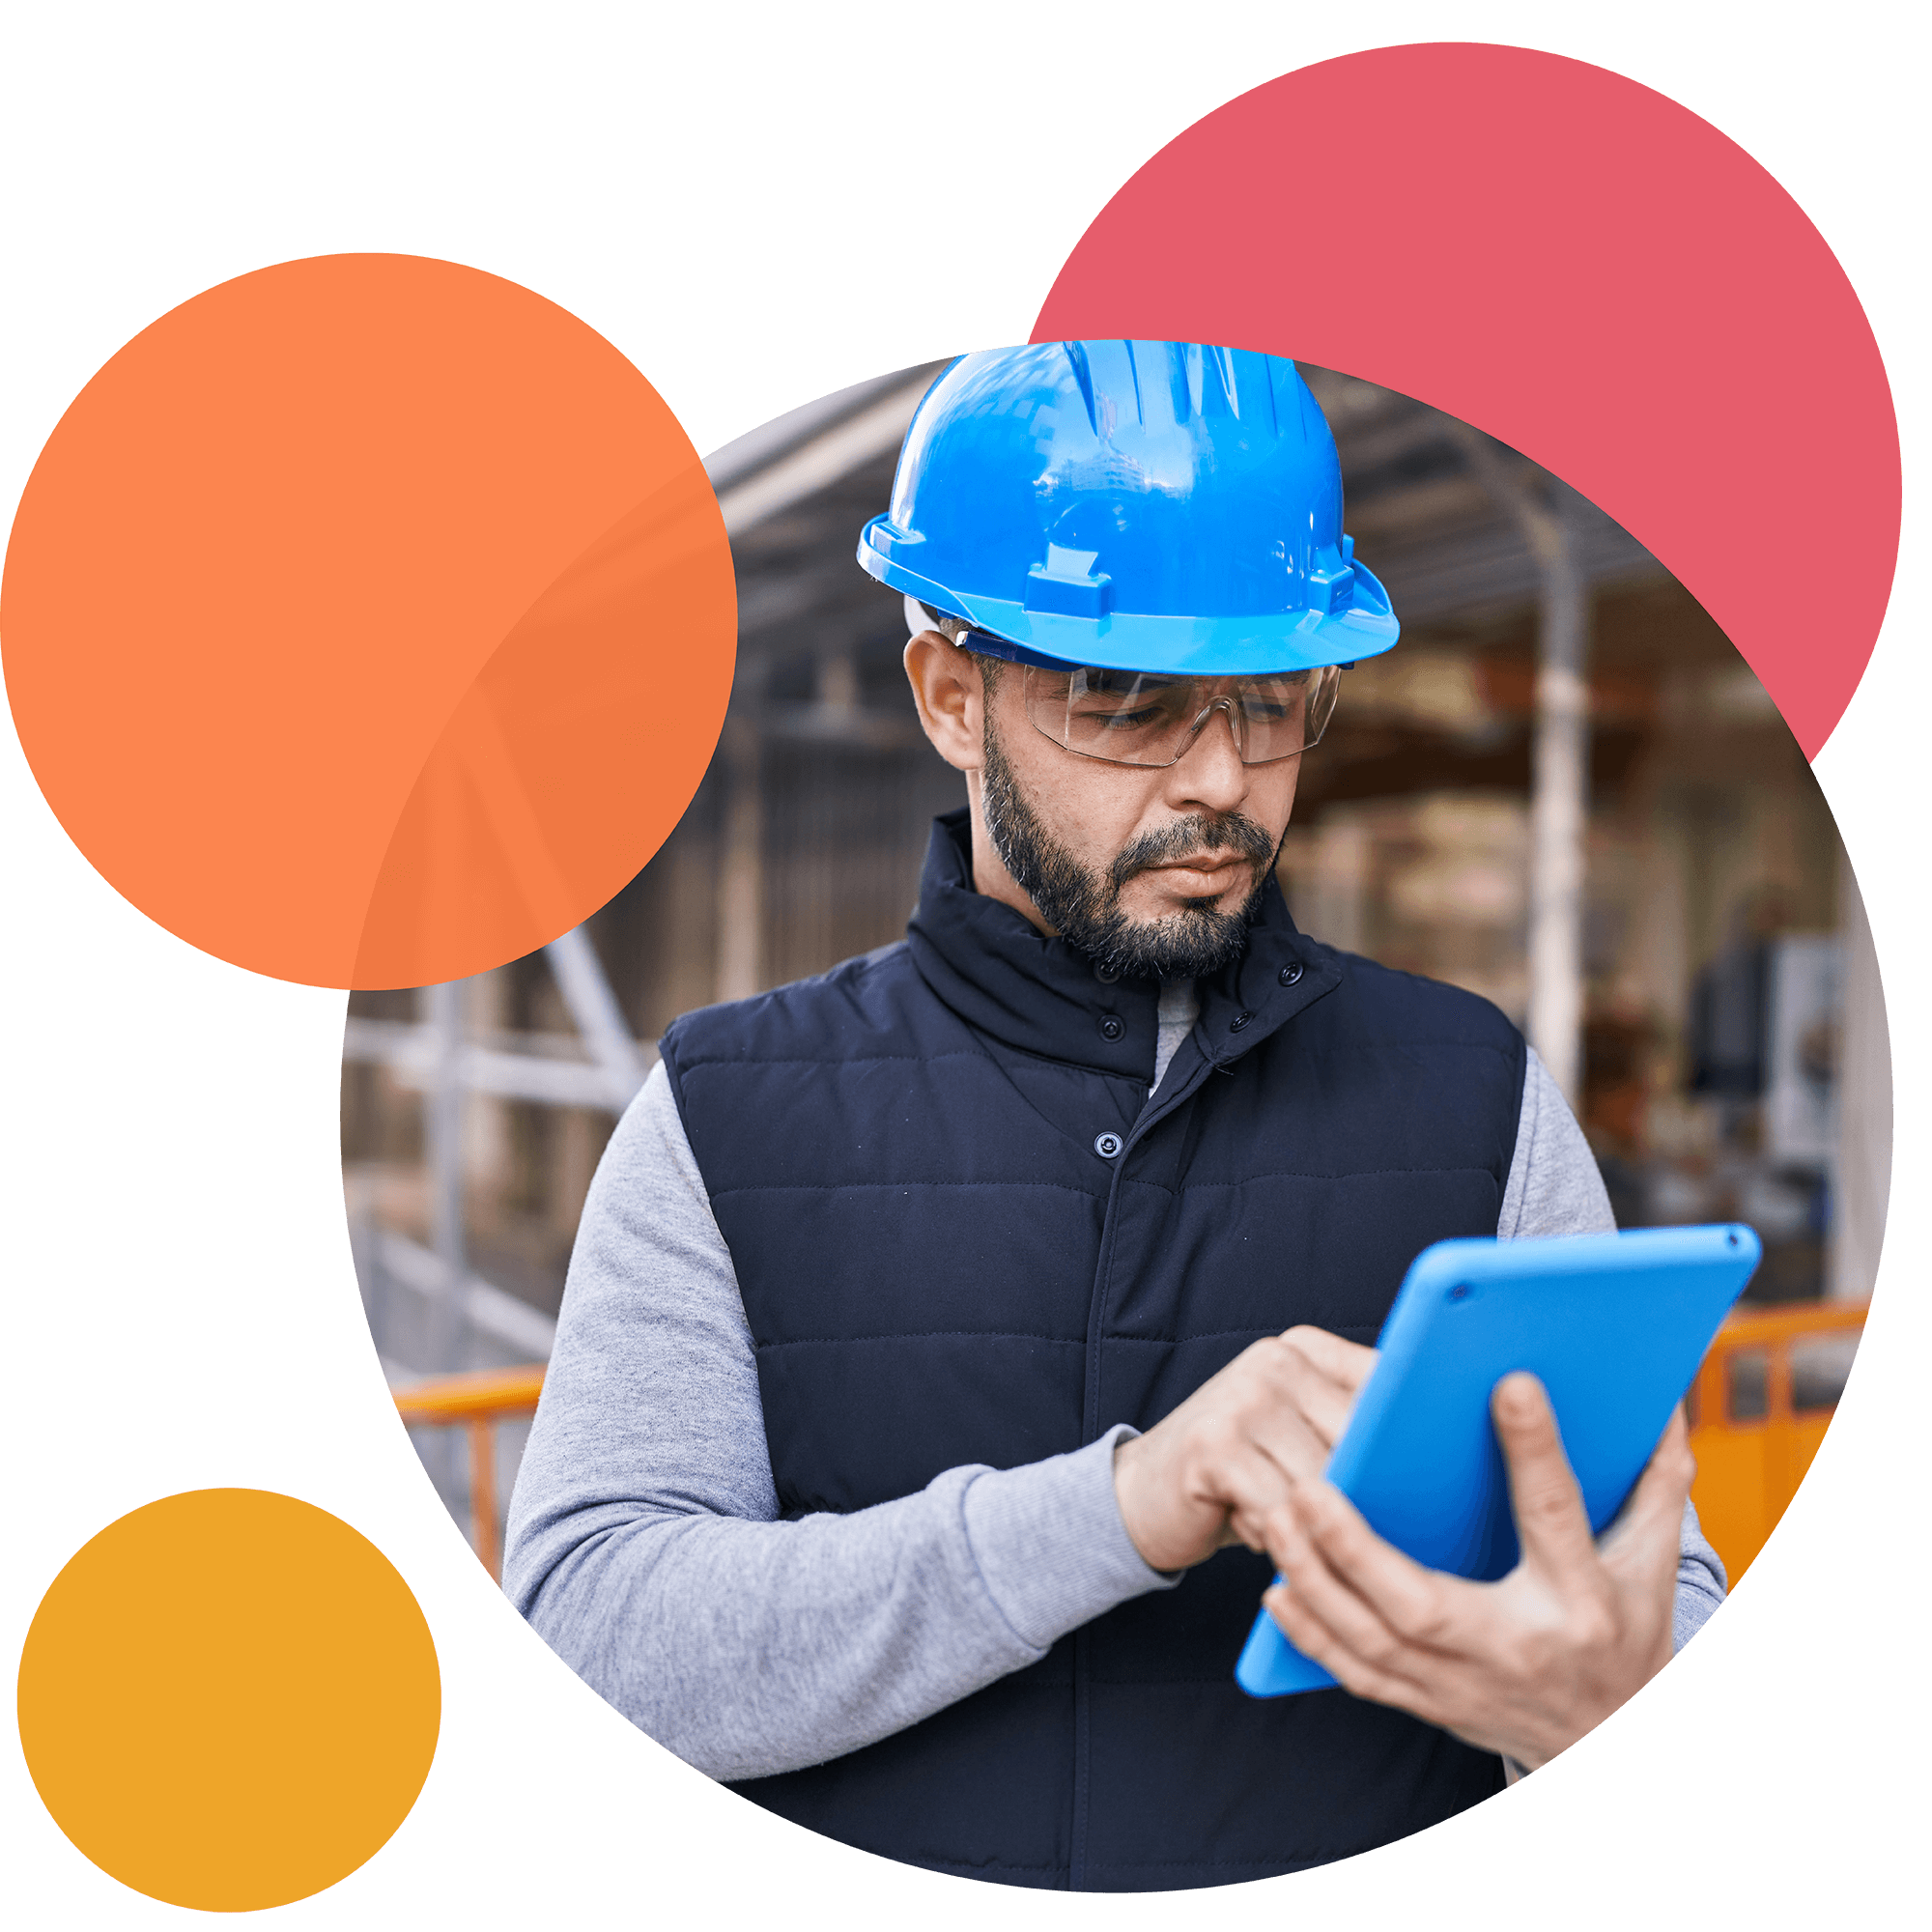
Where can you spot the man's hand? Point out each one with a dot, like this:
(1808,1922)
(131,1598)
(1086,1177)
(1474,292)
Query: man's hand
(1221,1467)
(1524,1666)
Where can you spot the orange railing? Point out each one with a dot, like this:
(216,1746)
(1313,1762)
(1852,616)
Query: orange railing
(1748,1465)
(1751,1455)
(477,1402)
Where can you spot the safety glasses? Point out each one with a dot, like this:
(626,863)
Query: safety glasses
(1134,718)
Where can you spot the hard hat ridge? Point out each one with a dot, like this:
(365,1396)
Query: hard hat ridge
(1151,506)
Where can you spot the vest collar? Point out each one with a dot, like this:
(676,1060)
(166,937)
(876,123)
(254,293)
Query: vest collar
(1043,996)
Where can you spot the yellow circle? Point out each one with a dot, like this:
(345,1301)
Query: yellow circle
(229,1699)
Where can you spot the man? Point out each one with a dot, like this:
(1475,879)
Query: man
(952,1343)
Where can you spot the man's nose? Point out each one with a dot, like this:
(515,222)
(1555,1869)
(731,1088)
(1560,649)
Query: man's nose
(1210,775)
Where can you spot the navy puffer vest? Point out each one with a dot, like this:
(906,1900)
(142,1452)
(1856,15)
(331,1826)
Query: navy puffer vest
(939,1268)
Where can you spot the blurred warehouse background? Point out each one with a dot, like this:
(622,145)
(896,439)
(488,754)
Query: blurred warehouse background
(1565,791)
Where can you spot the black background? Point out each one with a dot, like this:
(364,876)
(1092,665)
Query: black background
(753,229)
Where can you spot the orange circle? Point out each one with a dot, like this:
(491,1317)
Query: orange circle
(368,621)
(229,1699)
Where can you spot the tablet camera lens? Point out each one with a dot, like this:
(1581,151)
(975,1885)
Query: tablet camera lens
(1459,1293)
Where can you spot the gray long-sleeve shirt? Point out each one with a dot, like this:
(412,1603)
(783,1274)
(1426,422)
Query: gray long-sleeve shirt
(644,1539)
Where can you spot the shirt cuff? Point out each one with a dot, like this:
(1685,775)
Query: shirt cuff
(1050,1544)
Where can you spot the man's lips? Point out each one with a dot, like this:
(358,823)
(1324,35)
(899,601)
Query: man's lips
(1211,869)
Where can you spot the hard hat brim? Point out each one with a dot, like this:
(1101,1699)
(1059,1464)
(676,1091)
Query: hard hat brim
(1222,647)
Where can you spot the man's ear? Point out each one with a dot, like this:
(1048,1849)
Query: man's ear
(951,701)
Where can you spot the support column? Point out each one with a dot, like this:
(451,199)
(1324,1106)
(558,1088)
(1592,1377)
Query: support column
(1559,809)
(443,1158)
(741,886)
(1559,803)
(596,1012)
(1861,1171)
(487,1155)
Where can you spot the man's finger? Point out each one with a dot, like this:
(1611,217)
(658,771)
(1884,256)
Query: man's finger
(1335,1370)
(1296,1441)
(1550,1520)
(1325,1619)
(1345,1362)
(1672,1467)
(1418,1605)
(1255,1489)
(1310,1634)
(1654,1508)
(1310,1579)
(1263,1527)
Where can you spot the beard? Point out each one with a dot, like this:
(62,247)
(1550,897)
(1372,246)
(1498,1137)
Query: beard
(1084,907)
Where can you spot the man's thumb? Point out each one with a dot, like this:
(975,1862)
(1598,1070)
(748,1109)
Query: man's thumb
(1550,1522)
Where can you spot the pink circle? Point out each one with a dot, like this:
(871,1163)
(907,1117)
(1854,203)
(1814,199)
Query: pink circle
(1576,264)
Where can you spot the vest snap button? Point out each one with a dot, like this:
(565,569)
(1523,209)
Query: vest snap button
(1112,1027)
(1106,975)
(1240,1021)
(1290,974)
(1107,1145)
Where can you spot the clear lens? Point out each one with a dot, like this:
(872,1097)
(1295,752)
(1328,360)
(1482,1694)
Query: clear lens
(1132,719)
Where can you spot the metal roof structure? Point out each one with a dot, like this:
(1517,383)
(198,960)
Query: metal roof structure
(822,766)
(1433,508)
(1449,520)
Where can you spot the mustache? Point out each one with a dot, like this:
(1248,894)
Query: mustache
(1185,839)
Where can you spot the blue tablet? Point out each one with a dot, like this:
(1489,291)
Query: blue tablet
(1615,1326)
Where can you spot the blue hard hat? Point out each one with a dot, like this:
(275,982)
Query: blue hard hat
(1150,506)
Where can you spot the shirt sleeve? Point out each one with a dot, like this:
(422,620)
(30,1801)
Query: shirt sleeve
(644,1540)
(1553,1188)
